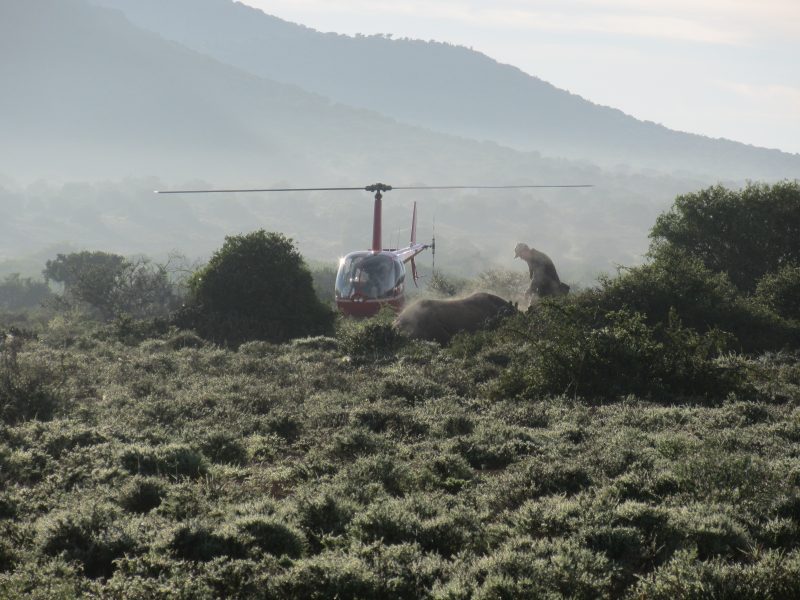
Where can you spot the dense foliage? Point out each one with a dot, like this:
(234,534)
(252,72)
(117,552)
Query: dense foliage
(256,287)
(745,233)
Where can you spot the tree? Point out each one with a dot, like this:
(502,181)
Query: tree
(87,277)
(113,285)
(256,287)
(22,292)
(745,233)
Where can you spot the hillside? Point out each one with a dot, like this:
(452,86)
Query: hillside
(90,96)
(446,88)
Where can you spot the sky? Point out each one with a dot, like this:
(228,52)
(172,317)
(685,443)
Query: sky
(722,68)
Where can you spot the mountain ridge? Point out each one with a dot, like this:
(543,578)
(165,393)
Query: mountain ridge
(446,88)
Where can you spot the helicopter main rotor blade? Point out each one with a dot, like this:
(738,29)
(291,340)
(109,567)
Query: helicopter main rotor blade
(378,187)
(488,187)
(323,189)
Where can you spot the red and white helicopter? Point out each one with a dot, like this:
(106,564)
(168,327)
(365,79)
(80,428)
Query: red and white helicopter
(367,280)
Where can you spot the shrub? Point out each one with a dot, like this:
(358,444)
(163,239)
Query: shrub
(780,291)
(323,514)
(8,547)
(184,339)
(449,472)
(505,283)
(270,535)
(543,568)
(224,447)
(446,285)
(256,287)
(676,282)
(745,233)
(27,389)
(370,338)
(45,579)
(91,535)
(494,446)
(330,575)
(352,443)
(199,542)
(172,459)
(436,526)
(770,574)
(581,351)
(142,494)
(711,532)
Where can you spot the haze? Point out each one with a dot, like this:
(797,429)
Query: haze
(714,67)
(106,100)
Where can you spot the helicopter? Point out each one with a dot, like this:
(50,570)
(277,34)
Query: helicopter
(368,280)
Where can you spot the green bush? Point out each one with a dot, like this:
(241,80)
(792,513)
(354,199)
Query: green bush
(745,233)
(142,494)
(323,514)
(184,339)
(676,282)
(494,446)
(224,447)
(769,575)
(169,460)
(330,575)
(578,350)
(711,532)
(46,579)
(370,338)
(780,291)
(525,568)
(9,554)
(199,542)
(28,387)
(271,535)
(441,527)
(92,535)
(256,287)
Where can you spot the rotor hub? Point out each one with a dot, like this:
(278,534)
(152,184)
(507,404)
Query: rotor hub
(378,187)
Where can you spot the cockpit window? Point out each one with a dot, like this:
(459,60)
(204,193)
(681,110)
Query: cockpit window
(369,275)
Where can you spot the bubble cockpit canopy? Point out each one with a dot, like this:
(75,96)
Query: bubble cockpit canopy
(369,275)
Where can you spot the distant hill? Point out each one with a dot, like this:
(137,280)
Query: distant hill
(87,95)
(447,88)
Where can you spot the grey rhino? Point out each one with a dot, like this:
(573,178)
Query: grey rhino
(440,320)
(544,278)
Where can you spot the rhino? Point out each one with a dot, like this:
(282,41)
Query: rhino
(440,320)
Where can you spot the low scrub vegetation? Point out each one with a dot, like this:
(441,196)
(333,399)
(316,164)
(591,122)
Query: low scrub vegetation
(634,440)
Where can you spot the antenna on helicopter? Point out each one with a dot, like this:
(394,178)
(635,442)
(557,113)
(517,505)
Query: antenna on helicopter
(433,247)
